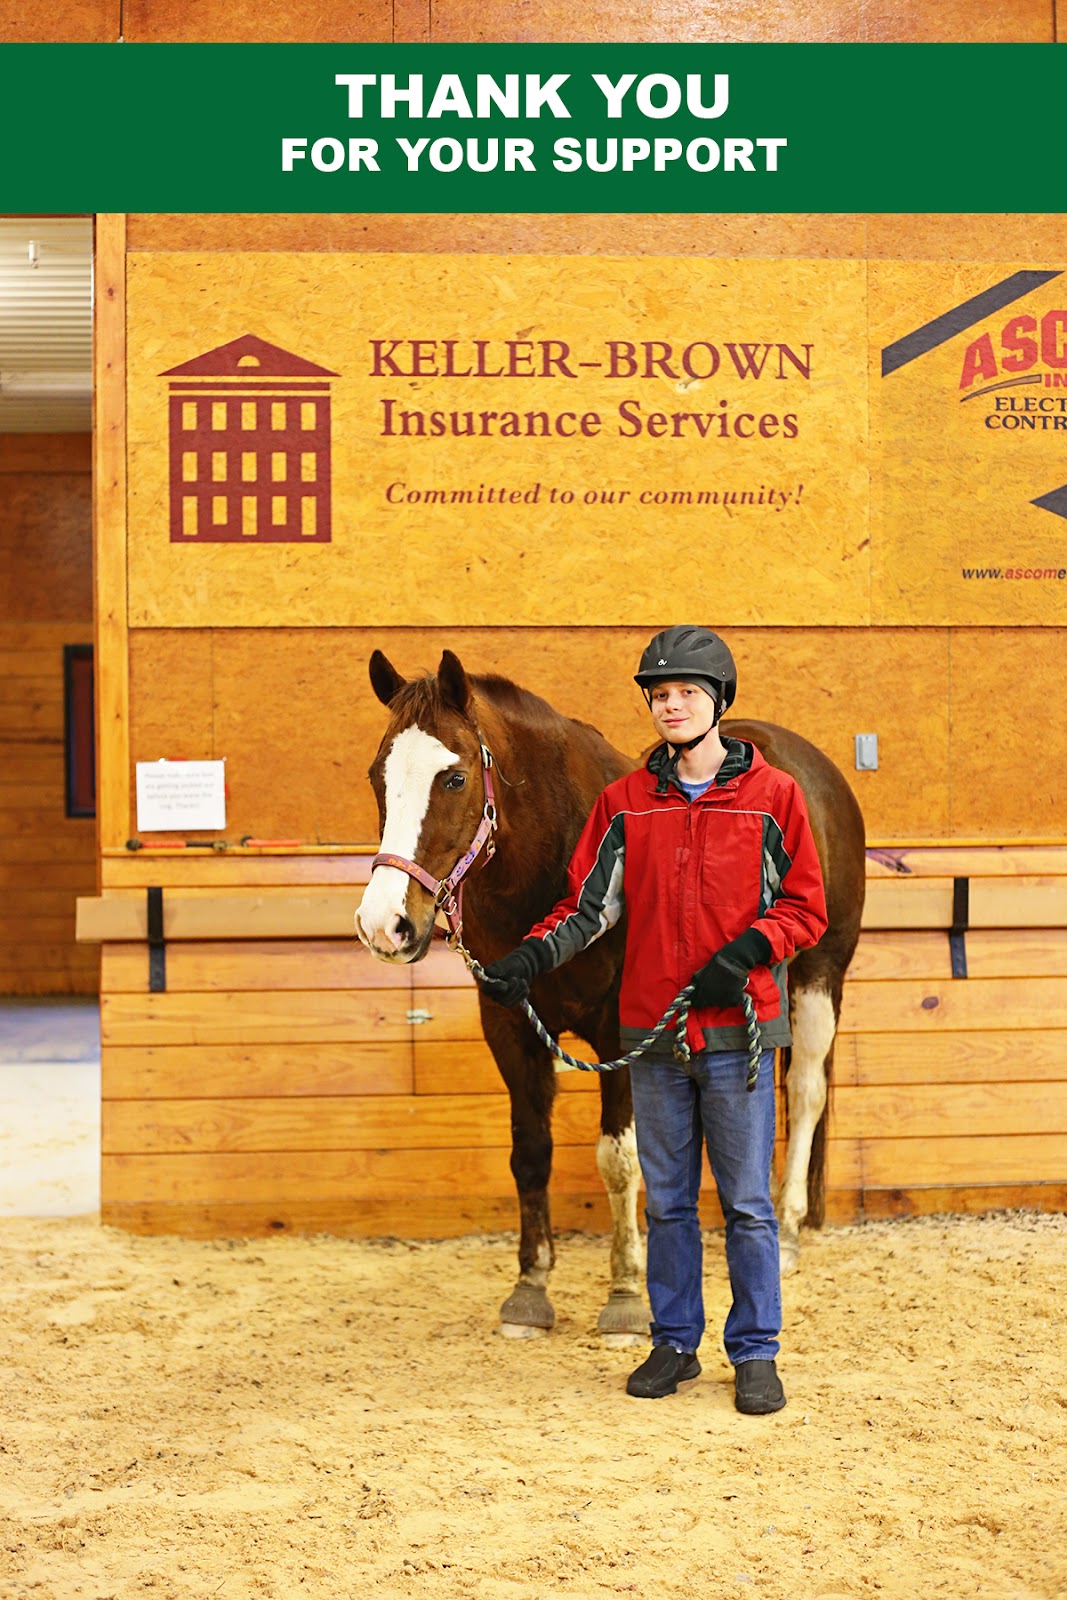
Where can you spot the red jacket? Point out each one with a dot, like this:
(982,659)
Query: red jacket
(692,875)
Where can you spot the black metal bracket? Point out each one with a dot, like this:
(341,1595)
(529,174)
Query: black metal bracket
(157,949)
(961,912)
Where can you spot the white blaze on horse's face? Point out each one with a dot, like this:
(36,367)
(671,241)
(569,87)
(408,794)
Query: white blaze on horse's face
(411,766)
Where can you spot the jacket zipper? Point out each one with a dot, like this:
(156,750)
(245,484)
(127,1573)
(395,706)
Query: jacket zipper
(683,898)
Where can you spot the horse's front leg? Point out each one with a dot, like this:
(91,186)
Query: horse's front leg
(526,1067)
(625,1318)
(814,1022)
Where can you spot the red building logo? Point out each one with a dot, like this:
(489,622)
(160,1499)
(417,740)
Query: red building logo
(249,447)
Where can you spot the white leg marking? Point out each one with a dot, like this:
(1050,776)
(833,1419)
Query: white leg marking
(616,1157)
(813,1034)
(537,1275)
(411,766)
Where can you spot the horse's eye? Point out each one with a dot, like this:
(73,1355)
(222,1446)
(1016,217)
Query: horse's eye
(455,780)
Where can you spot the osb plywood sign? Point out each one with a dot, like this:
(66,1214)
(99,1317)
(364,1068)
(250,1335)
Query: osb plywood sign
(407,440)
(968,443)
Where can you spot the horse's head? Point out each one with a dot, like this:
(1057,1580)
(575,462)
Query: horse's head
(427,780)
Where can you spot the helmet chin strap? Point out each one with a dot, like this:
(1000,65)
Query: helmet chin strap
(692,743)
(677,751)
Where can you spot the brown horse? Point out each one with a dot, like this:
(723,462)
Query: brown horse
(428,780)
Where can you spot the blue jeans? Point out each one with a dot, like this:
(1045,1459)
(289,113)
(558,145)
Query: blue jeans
(677,1108)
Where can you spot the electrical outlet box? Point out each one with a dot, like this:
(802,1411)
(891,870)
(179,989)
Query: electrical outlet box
(866,752)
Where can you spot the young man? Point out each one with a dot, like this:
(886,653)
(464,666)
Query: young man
(710,851)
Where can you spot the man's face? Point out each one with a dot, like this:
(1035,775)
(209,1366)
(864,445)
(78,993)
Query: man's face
(681,711)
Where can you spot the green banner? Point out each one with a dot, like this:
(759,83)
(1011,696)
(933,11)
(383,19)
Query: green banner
(532,128)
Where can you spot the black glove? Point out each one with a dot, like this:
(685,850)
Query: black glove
(508,980)
(722,982)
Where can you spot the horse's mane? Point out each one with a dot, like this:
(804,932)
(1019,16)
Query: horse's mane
(525,706)
(507,710)
(512,700)
(423,697)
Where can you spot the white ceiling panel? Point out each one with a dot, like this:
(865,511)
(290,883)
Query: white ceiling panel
(46,306)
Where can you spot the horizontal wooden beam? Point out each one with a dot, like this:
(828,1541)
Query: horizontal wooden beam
(426,1217)
(922,1006)
(1008,902)
(483,1121)
(992,1054)
(290,1017)
(1037,1005)
(307,1068)
(961,860)
(350,1122)
(277,1177)
(207,868)
(989,1055)
(991,953)
(280,1177)
(429,1067)
(327,913)
(240,966)
(447,1216)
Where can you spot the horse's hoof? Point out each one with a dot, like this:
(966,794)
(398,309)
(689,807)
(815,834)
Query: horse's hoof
(623,1341)
(788,1254)
(527,1306)
(519,1330)
(624,1313)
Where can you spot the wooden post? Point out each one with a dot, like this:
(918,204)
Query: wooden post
(109,534)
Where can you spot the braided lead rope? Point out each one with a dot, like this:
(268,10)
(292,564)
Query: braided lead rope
(682,1052)
(566,1063)
(752,1032)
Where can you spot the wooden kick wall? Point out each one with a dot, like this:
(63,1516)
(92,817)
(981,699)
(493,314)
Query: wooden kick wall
(298,1084)
(46,858)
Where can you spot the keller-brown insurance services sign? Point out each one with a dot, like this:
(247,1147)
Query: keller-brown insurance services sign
(405,439)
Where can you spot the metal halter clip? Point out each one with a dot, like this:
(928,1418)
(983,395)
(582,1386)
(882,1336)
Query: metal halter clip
(454,936)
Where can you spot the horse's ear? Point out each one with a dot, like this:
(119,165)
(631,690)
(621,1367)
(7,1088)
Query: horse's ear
(455,685)
(385,679)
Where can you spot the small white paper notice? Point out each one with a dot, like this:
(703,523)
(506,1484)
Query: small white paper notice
(180,794)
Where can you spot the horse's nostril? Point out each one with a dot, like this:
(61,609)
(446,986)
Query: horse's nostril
(405,930)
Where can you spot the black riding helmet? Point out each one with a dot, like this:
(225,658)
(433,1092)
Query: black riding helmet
(692,655)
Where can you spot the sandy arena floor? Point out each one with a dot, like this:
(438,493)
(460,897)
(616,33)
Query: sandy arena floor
(322,1418)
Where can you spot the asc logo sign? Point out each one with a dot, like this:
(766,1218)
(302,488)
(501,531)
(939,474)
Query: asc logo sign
(1027,353)
(1012,367)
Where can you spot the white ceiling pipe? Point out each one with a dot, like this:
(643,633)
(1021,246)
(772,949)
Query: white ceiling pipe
(44,385)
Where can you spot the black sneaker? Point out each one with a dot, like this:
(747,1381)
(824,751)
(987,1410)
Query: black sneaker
(758,1388)
(661,1374)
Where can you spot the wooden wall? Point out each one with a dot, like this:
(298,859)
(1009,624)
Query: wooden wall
(298,1084)
(935,695)
(467,21)
(46,858)
(246,695)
